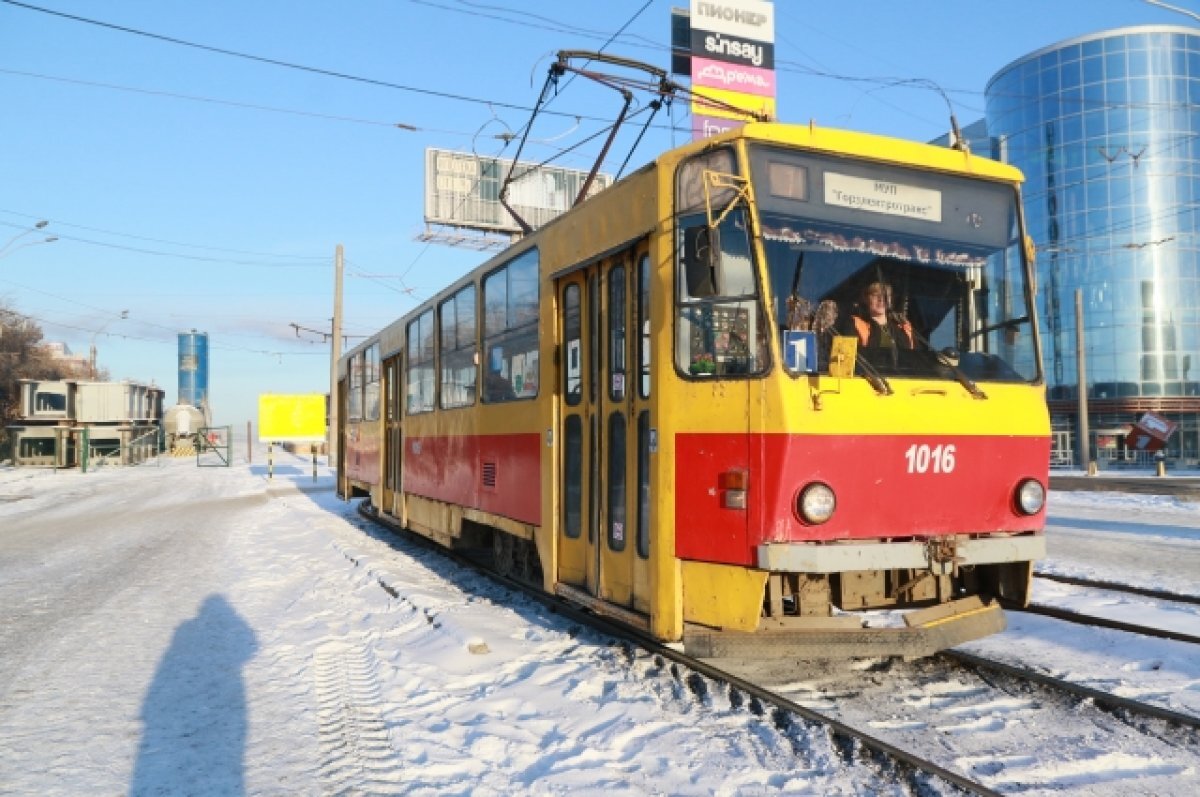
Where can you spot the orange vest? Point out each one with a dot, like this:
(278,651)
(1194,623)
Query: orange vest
(863,327)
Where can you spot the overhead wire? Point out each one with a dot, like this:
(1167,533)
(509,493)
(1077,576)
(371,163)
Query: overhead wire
(125,336)
(522,131)
(178,255)
(273,61)
(58,223)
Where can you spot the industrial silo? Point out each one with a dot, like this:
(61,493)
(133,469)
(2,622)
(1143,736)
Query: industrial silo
(193,369)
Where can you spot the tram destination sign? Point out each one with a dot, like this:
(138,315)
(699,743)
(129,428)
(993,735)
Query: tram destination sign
(883,196)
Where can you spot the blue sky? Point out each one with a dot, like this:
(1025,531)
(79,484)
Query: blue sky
(200,190)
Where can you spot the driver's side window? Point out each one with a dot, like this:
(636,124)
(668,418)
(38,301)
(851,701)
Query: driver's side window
(719,330)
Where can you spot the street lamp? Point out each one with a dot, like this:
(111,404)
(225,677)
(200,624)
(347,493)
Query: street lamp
(92,350)
(11,244)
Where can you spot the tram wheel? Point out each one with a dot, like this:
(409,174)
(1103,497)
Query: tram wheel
(502,553)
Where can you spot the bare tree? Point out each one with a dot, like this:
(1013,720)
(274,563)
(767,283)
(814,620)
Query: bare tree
(22,356)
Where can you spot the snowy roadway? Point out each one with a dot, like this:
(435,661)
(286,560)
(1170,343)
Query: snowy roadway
(175,630)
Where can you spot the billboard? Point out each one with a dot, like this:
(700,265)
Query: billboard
(732,63)
(296,418)
(1151,433)
(463,190)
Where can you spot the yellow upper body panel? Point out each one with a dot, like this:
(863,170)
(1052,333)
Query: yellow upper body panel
(864,146)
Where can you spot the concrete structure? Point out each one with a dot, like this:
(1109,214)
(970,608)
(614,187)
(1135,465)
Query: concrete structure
(119,421)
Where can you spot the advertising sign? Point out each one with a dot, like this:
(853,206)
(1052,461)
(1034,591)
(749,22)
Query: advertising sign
(733,77)
(752,20)
(732,63)
(1151,433)
(298,418)
(746,102)
(463,189)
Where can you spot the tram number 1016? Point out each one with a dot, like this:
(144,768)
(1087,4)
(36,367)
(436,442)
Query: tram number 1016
(925,459)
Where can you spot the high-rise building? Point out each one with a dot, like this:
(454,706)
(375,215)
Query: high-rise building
(1106,128)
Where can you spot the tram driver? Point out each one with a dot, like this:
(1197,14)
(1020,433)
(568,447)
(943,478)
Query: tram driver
(876,324)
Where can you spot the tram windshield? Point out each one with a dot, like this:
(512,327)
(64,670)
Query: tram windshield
(924,270)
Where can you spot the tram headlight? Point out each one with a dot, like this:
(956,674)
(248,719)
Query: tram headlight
(1031,496)
(816,503)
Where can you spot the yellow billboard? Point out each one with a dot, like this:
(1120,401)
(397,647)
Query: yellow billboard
(298,418)
(751,103)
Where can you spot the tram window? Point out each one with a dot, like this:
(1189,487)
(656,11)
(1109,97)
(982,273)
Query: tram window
(616,482)
(643,321)
(390,381)
(643,485)
(510,305)
(616,333)
(721,331)
(593,334)
(573,477)
(573,346)
(420,381)
(354,401)
(458,350)
(371,378)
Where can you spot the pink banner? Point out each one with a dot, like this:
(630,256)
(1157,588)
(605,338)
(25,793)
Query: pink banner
(733,77)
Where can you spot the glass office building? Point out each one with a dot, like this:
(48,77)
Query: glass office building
(1106,128)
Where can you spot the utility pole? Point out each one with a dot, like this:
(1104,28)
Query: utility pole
(1085,449)
(335,352)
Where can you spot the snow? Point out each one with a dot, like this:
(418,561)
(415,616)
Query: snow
(170,629)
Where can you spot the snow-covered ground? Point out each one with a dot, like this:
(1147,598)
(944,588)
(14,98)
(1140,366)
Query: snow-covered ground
(169,629)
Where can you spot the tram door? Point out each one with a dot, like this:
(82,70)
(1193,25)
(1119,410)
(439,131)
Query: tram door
(392,444)
(604,464)
(342,409)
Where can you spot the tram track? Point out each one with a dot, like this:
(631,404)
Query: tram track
(1105,700)
(854,736)
(1082,618)
(758,698)
(1113,586)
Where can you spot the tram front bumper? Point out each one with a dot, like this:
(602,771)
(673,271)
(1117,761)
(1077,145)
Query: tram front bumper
(848,557)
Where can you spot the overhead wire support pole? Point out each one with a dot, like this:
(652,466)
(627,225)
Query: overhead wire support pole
(563,65)
(587,184)
(655,107)
(551,80)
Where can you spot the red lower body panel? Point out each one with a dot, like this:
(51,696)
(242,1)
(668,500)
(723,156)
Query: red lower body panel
(500,474)
(361,456)
(886,486)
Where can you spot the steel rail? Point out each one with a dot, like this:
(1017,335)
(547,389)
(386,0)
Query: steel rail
(652,646)
(1100,698)
(1145,592)
(1102,622)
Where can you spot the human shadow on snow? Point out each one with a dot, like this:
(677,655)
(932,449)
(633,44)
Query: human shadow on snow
(194,714)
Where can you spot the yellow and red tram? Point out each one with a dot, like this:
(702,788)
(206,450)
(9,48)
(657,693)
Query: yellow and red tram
(658,404)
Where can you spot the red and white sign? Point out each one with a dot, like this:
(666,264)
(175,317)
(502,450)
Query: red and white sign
(1151,433)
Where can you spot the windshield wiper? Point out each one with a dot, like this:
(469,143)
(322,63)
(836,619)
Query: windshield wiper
(949,358)
(1010,323)
(873,377)
(951,362)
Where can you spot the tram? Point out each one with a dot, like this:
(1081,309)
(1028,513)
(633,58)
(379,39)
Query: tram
(661,405)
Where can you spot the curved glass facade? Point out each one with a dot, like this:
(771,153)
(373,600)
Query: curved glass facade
(1106,129)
